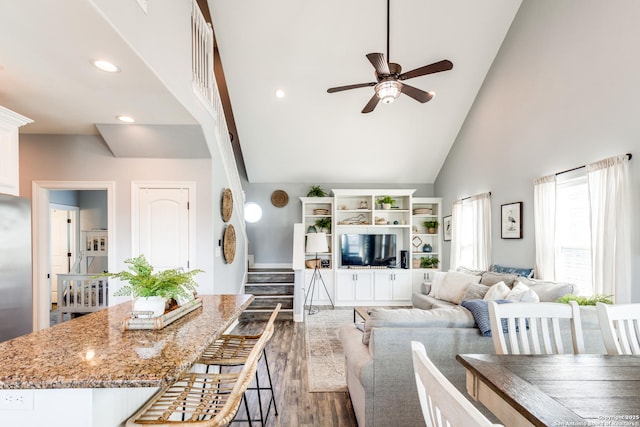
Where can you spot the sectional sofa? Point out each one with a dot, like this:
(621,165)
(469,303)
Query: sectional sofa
(378,361)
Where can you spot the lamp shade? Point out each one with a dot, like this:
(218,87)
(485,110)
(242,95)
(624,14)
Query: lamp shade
(317,243)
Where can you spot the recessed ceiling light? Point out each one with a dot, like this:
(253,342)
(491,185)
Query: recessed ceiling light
(279,93)
(106,66)
(126,119)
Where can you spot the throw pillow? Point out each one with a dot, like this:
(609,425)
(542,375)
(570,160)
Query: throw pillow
(479,308)
(475,291)
(497,291)
(470,271)
(454,285)
(549,291)
(490,278)
(436,281)
(522,293)
(524,272)
(425,288)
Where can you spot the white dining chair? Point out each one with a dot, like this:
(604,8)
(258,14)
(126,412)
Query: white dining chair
(534,328)
(620,327)
(442,404)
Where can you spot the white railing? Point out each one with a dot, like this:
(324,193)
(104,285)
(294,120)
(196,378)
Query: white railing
(206,87)
(81,293)
(202,53)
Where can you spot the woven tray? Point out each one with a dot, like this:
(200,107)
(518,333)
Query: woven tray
(155,323)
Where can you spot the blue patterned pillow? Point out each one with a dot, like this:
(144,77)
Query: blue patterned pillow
(479,308)
(524,272)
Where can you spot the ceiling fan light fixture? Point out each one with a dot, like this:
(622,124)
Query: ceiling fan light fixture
(388,91)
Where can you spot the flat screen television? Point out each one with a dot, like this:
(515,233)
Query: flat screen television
(368,249)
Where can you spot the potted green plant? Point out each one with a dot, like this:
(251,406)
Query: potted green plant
(153,290)
(431,226)
(316,191)
(582,300)
(324,224)
(429,262)
(386,202)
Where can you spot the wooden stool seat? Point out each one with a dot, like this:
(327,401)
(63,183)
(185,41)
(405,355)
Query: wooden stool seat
(234,350)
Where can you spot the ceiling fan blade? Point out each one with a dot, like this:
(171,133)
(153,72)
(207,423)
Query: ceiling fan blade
(436,67)
(371,105)
(340,88)
(379,63)
(415,93)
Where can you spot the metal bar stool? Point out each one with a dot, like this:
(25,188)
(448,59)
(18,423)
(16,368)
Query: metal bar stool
(207,400)
(233,350)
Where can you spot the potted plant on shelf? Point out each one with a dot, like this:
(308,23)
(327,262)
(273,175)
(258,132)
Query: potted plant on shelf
(386,202)
(324,224)
(153,290)
(316,191)
(431,226)
(429,262)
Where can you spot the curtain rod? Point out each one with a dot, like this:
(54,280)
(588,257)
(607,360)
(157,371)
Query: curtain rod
(629,156)
(467,198)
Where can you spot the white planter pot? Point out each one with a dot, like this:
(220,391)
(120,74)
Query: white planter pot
(154,304)
(386,206)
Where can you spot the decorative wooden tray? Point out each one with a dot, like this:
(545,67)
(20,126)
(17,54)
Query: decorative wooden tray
(155,323)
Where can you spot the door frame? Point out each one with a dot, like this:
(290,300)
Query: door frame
(40,238)
(137,186)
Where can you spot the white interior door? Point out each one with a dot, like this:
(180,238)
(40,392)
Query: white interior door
(63,244)
(164,226)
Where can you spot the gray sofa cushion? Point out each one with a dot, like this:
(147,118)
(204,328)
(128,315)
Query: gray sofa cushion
(475,291)
(548,291)
(489,278)
(450,317)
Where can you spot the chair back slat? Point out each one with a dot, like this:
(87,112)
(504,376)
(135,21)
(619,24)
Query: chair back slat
(442,404)
(534,328)
(620,327)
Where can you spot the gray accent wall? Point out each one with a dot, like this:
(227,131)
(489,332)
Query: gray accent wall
(561,93)
(87,158)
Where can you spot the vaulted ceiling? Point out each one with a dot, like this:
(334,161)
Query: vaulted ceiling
(300,47)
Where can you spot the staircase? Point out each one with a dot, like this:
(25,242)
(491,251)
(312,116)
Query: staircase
(270,286)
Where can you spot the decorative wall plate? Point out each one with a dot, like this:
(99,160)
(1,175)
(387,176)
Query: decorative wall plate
(226,206)
(279,198)
(229,244)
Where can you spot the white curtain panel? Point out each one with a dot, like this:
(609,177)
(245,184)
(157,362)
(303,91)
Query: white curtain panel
(609,195)
(544,206)
(471,234)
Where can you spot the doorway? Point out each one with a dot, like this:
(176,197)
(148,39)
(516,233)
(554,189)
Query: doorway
(41,231)
(64,229)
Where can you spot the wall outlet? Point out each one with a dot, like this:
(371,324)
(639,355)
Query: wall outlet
(20,400)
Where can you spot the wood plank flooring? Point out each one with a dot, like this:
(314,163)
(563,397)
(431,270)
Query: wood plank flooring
(287,360)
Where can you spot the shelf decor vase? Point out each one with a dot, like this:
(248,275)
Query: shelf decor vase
(153,304)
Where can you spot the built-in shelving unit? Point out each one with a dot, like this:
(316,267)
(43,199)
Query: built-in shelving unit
(359,211)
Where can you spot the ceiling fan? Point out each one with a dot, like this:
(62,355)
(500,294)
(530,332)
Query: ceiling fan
(389,77)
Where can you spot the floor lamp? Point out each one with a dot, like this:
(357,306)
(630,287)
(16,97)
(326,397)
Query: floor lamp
(316,243)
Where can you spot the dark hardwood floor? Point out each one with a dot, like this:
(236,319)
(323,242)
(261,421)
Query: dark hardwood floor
(287,360)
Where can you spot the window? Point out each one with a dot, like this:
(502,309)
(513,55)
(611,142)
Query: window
(573,233)
(471,232)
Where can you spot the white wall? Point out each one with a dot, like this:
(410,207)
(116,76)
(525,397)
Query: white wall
(562,92)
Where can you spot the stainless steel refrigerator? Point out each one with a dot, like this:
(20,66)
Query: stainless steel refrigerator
(16,313)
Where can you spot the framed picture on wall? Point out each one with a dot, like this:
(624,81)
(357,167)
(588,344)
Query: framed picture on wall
(446,228)
(511,221)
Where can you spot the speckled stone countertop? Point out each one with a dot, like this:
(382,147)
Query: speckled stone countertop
(94,351)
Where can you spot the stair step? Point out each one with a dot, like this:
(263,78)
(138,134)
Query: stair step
(271,278)
(268,289)
(270,303)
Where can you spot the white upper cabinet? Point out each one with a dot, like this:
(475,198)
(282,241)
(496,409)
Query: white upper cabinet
(9,124)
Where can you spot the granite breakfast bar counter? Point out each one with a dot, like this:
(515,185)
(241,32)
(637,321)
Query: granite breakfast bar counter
(91,372)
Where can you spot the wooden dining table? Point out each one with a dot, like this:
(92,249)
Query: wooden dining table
(556,390)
